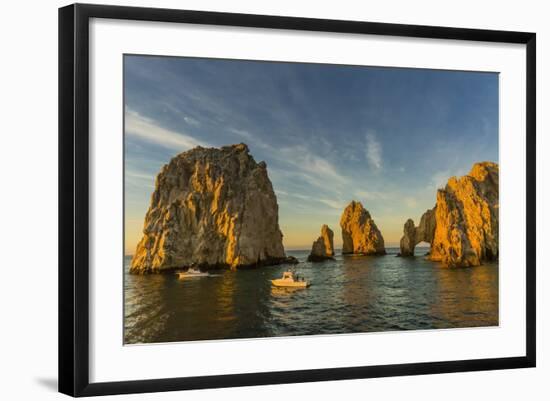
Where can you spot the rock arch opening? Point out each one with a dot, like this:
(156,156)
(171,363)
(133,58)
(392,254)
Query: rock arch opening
(423,247)
(413,236)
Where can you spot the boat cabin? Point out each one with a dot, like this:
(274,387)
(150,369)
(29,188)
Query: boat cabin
(288,276)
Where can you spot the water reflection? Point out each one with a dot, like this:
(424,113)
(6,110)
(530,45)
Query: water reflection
(145,311)
(349,294)
(467,297)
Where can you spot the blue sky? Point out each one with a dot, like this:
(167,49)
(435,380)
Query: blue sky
(384,136)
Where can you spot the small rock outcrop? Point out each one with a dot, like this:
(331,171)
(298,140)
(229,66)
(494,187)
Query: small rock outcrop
(323,248)
(360,234)
(211,208)
(408,242)
(462,228)
(412,235)
(467,210)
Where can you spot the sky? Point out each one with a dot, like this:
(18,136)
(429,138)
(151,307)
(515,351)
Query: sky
(330,134)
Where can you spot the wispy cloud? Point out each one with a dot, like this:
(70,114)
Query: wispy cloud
(139,175)
(281,192)
(191,121)
(369,195)
(334,204)
(310,163)
(148,130)
(242,133)
(373,151)
(138,179)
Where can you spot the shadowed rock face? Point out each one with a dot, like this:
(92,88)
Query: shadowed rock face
(462,228)
(323,247)
(359,232)
(210,208)
(408,242)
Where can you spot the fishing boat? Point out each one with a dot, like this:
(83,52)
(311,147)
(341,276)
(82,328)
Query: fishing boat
(289,280)
(192,272)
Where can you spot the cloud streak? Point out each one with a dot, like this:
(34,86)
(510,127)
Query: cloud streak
(373,151)
(369,195)
(148,130)
(312,164)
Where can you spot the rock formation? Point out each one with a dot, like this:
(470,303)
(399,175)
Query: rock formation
(408,241)
(211,208)
(359,232)
(323,247)
(465,220)
(412,235)
(466,231)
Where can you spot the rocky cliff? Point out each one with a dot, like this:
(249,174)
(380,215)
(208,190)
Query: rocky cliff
(359,232)
(463,227)
(323,248)
(211,208)
(467,210)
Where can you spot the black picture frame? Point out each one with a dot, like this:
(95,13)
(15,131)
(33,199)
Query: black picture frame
(74,198)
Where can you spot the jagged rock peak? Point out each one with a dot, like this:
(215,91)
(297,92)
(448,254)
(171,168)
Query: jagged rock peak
(211,207)
(360,234)
(323,248)
(467,218)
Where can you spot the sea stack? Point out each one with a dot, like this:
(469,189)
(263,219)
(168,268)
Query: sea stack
(462,228)
(408,242)
(211,208)
(360,234)
(323,247)
(412,235)
(466,228)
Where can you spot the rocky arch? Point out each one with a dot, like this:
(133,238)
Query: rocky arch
(412,235)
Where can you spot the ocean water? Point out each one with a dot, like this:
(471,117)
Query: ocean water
(349,295)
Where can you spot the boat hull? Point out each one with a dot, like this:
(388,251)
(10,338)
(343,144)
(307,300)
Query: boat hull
(288,283)
(187,275)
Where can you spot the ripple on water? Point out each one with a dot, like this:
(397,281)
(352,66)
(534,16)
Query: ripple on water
(357,294)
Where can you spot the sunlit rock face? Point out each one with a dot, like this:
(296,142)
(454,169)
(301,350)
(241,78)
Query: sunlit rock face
(323,247)
(360,234)
(210,208)
(466,230)
(412,235)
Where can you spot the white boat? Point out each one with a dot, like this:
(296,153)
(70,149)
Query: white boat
(192,272)
(289,280)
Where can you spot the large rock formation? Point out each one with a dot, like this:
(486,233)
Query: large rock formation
(463,227)
(412,235)
(323,247)
(359,232)
(211,208)
(466,231)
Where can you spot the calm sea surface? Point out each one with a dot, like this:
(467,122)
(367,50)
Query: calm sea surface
(348,295)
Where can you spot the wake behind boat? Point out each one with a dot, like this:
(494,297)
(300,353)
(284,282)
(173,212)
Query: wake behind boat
(192,272)
(289,280)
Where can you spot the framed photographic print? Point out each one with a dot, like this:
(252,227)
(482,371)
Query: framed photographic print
(299,199)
